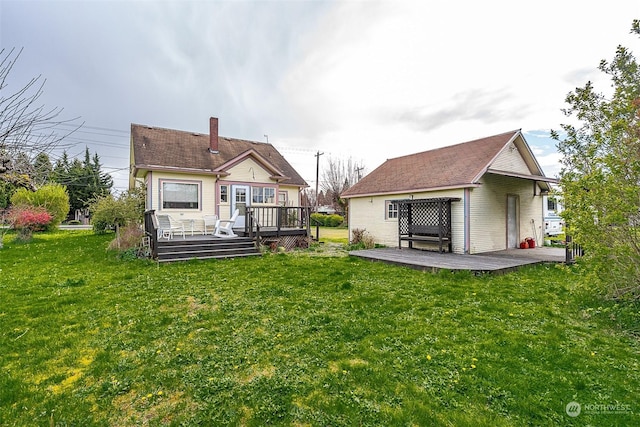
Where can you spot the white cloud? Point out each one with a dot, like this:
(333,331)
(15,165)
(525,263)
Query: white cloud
(383,79)
(366,79)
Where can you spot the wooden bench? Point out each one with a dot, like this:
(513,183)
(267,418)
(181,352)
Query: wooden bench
(426,233)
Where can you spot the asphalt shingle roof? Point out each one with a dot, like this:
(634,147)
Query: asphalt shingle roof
(159,148)
(453,166)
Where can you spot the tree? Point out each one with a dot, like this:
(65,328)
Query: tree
(111,212)
(6,191)
(27,128)
(337,177)
(124,214)
(100,182)
(600,178)
(42,170)
(84,179)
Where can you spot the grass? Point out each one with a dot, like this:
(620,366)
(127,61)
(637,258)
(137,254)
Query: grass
(88,339)
(333,235)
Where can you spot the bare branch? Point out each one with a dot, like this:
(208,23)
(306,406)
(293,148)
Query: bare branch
(337,177)
(27,128)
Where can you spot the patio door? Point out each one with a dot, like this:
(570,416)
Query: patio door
(512,221)
(240,200)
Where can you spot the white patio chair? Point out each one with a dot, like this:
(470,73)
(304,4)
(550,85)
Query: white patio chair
(210,221)
(167,226)
(224,227)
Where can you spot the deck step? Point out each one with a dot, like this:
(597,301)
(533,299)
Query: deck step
(214,248)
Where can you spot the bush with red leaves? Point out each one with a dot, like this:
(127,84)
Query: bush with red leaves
(27,219)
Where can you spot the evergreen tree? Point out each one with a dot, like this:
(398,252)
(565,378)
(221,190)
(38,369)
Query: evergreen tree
(84,179)
(42,170)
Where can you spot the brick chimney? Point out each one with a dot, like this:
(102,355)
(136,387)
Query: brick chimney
(213,135)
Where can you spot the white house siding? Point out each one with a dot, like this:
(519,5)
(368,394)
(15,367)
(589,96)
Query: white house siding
(207,189)
(249,171)
(369,213)
(488,212)
(510,160)
(293,195)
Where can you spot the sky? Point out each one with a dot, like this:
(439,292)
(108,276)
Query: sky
(364,80)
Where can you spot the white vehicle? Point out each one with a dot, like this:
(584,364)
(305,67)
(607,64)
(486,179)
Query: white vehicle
(553,225)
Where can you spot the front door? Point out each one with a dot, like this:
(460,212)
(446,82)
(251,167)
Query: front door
(512,221)
(240,200)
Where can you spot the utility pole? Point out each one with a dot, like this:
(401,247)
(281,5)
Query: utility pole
(266,136)
(318,154)
(358,169)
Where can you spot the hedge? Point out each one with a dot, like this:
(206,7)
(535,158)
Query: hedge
(326,220)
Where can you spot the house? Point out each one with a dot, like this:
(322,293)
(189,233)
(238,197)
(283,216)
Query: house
(479,196)
(189,175)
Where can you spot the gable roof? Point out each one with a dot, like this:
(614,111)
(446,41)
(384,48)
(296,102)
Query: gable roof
(456,166)
(156,148)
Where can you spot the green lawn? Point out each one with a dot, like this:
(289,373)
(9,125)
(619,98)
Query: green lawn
(332,234)
(292,339)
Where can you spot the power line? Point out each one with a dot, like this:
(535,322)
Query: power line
(94,128)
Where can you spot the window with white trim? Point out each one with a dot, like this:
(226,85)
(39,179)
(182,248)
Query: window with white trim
(283,197)
(224,195)
(391,210)
(180,195)
(263,195)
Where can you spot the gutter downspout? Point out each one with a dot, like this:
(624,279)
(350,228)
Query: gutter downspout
(467,220)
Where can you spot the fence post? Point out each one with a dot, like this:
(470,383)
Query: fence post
(569,253)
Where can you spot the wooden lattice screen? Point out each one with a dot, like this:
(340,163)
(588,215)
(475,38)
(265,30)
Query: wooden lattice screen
(425,220)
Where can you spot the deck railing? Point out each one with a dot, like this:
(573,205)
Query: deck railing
(277,218)
(572,250)
(151,231)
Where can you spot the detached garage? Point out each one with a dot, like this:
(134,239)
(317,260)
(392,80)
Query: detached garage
(479,196)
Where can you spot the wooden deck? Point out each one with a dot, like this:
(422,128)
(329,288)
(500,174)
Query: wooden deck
(492,262)
(264,232)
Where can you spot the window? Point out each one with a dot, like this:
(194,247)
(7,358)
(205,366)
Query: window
(180,195)
(391,211)
(224,195)
(263,194)
(551,204)
(269,195)
(282,198)
(257,196)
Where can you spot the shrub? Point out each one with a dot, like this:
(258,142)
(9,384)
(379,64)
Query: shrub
(357,235)
(51,197)
(327,220)
(99,226)
(109,212)
(26,220)
(129,237)
(318,219)
(361,239)
(334,220)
